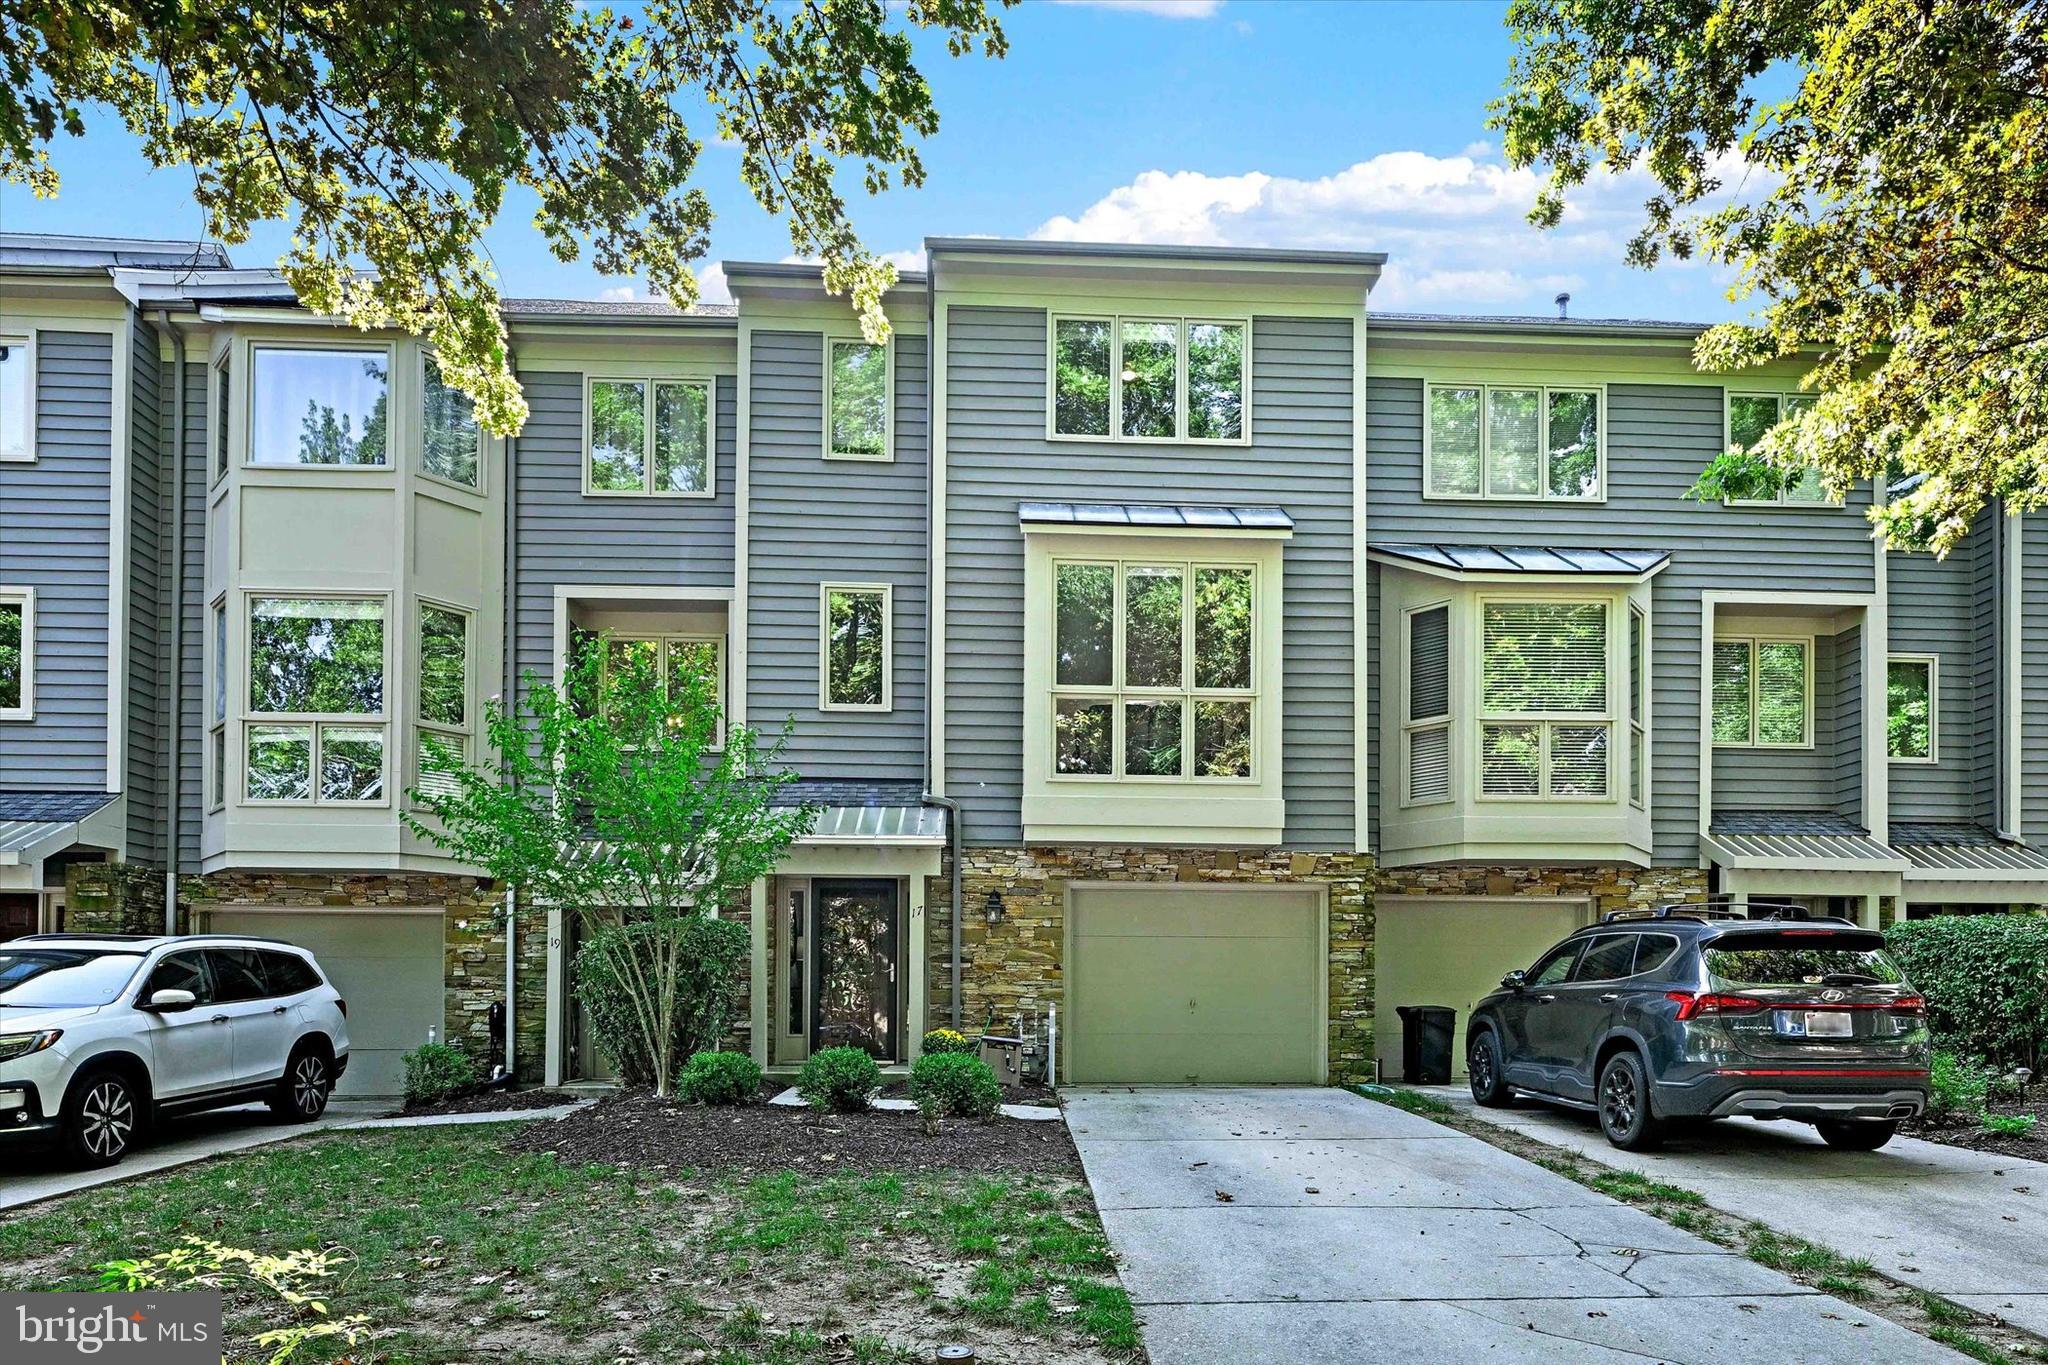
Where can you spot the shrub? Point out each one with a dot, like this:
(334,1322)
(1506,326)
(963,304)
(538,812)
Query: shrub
(839,1078)
(719,1078)
(436,1071)
(1957,1088)
(715,950)
(2009,1125)
(945,1040)
(1986,982)
(950,1084)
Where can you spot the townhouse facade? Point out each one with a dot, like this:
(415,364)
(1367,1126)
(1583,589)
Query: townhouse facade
(1192,663)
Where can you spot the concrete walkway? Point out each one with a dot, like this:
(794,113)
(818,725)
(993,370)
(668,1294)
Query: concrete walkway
(1317,1227)
(1967,1225)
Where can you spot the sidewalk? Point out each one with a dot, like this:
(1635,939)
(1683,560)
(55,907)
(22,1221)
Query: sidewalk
(1966,1225)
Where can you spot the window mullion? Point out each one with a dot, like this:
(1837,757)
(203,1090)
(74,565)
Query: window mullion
(1180,382)
(647,441)
(1116,396)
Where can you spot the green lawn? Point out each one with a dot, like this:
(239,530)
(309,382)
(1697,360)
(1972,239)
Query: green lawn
(461,1250)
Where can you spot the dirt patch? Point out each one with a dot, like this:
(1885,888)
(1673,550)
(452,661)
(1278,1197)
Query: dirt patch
(495,1102)
(636,1129)
(2031,1145)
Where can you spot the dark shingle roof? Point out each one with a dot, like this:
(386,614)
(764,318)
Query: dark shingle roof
(38,805)
(613,308)
(850,791)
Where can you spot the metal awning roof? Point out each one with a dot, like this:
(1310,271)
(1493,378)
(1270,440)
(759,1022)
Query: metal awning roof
(34,825)
(1149,517)
(1797,841)
(1966,852)
(867,812)
(1548,561)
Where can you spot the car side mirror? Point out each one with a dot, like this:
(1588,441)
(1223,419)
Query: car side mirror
(1514,980)
(170,1002)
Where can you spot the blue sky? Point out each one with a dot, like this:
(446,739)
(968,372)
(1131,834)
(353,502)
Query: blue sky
(1219,122)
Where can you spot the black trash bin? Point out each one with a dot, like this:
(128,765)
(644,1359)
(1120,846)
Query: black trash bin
(1426,1043)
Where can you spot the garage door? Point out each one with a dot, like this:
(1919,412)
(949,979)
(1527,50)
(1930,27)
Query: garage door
(387,966)
(1451,950)
(1180,984)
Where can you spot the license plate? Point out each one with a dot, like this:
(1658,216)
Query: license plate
(1829,1024)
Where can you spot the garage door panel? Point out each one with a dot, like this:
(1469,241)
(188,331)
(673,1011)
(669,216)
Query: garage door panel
(389,969)
(1179,984)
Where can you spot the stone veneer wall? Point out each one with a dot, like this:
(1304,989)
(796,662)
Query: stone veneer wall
(473,943)
(113,898)
(1611,887)
(1013,967)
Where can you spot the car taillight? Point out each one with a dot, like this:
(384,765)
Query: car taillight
(1693,1004)
(1908,1004)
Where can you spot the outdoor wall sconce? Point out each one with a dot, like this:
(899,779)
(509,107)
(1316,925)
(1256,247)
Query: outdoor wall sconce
(994,908)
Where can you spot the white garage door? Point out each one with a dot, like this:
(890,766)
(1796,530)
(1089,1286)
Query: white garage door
(1177,984)
(1453,950)
(386,965)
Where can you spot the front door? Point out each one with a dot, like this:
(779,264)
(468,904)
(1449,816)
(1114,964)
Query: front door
(855,927)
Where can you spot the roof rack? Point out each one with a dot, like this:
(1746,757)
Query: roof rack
(1709,908)
(87,935)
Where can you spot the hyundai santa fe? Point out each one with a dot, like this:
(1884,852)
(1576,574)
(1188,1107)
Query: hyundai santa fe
(1691,1013)
(102,1033)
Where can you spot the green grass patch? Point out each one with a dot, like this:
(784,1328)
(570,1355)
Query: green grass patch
(1414,1101)
(1797,1256)
(1973,1347)
(1633,1187)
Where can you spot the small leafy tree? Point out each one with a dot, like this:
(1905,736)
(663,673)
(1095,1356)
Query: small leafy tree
(293,1279)
(612,797)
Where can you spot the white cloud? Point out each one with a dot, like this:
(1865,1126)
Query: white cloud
(711,287)
(1161,9)
(1454,227)
(619,293)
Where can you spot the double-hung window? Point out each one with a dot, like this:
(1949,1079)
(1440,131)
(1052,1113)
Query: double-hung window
(17,653)
(1426,728)
(223,395)
(648,437)
(1912,708)
(1638,704)
(319,406)
(315,728)
(1149,379)
(1153,669)
(1763,693)
(1750,416)
(1544,718)
(444,696)
(217,714)
(854,645)
(17,398)
(451,442)
(858,390)
(1514,441)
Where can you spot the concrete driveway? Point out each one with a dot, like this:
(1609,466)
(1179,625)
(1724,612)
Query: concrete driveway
(1967,1225)
(1352,1231)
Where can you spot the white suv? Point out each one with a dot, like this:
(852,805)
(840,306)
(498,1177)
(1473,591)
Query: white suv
(100,1033)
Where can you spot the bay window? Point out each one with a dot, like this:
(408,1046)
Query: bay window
(1638,703)
(857,400)
(1513,441)
(1763,693)
(315,406)
(1912,706)
(1544,722)
(443,745)
(648,437)
(1153,672)
(451,442)
(316,700)
(1149,379)
(1426,726)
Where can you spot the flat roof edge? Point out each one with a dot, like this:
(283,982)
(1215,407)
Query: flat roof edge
(1015,246)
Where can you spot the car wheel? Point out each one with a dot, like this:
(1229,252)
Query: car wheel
(1864,1135)
(102,1118)
(308,1080)
(1484,1071)
(1624,1099)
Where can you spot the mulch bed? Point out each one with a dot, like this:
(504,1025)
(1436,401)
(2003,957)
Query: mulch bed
(1012,1094)
(2032,1146)
(494,1102)
(635,1129)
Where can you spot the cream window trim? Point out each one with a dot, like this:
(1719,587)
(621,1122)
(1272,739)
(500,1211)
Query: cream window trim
(24,598)
(318,724)
(887,593)
(245,406)
(1180,324)
(1784,401)
(650,379)
(1546,723)
(1544,389)
(1756,644)
(25,341)
(1932,663)
(1412,725)
(888,350)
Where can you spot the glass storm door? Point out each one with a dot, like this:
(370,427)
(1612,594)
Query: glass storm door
(853,965)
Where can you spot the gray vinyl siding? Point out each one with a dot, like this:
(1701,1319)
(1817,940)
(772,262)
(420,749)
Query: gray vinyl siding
(1659,436)
(1940,607)
(1983,706)
(812,521)
(997,455)
(2034,677)
(561,536)
(1847,691)
(55,521)
(192,716)
(148,568)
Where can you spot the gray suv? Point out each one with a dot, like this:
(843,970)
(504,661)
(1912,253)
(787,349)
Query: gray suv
(1696,1012)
